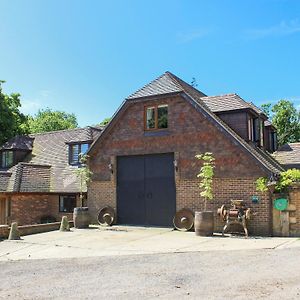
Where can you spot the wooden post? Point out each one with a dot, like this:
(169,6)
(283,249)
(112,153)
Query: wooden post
(285,223)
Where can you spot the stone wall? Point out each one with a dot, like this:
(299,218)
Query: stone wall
(294,214)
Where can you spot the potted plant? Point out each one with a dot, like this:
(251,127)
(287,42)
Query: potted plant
(84,174)
(81,215)
(204,220)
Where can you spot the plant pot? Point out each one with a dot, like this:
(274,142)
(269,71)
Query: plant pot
(204,223)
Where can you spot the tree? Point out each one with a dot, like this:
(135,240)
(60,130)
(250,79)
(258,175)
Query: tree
(266,108)
(12,121)
(48,120)
(84,174)
(105,122)
(286,118)
(206,175)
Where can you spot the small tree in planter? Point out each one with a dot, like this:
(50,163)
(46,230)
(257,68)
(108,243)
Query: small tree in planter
(84,174)
(81,215)
(204,221)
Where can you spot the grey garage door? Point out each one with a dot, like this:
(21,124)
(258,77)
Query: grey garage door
(146,190)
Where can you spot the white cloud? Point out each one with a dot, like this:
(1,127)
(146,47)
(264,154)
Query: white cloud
(282,29)
(30,107)
(185,37)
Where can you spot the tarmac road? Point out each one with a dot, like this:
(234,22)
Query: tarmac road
(245,274)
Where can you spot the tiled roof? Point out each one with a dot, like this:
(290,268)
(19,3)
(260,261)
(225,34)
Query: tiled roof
(268,123)
(46,168)
(229,102)
(164,84)
(20,142)
(4,180)
(289,155)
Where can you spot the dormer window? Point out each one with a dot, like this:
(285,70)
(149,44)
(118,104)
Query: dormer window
(255,131)
(74,151)
(7,159)
(156,117)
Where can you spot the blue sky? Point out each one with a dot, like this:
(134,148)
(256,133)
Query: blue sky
(86,56)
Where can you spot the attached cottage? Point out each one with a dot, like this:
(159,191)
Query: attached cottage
(144,164)
(38,182)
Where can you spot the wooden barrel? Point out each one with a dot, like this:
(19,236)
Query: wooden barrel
(204,223)
(81,217)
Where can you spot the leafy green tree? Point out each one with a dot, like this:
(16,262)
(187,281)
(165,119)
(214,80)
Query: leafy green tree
(266,108)
(49,120)
(286,118)
(105,122)
(206,175)
(84,174)
(12,121)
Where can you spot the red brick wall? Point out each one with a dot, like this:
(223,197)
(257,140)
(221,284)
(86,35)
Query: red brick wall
(189,133)
(29,208)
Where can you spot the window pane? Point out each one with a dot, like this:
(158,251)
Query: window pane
(74,152)
(67,203)
(84,148)
(3,159)
(162,116)
(256,136)
(150,118)
(10,158)
(7,159)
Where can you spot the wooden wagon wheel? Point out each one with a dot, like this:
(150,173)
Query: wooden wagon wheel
(106,216)
(222,212)
(184,219)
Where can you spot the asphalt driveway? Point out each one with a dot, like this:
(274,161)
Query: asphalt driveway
(122,240)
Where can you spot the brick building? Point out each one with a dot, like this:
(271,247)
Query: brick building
(144,162)
(37,175)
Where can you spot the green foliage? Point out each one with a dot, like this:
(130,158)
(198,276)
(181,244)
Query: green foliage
(12,121)
(286,179)
(49,120)
(105,122)
(286,118)
(84,174)
(266,108)
(206,175)
(261,184)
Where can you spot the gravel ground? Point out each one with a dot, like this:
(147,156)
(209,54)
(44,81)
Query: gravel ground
(252,274)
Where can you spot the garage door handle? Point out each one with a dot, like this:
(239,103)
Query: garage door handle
(149,195)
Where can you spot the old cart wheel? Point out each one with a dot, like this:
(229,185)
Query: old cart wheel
(222,212)
(184,219)
(106,216)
